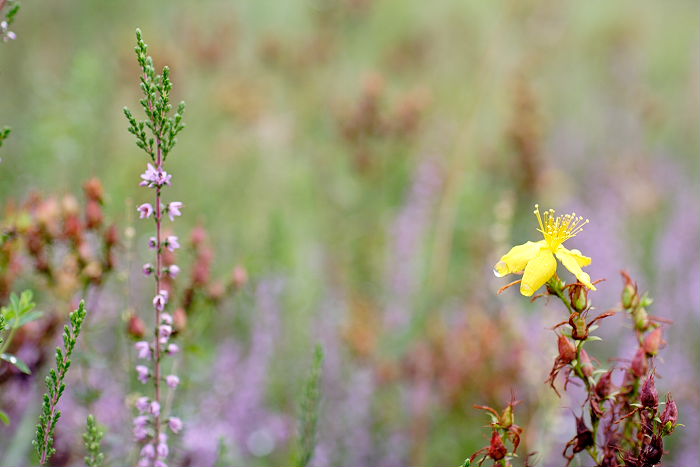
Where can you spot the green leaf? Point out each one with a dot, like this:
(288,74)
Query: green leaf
(29,317)
(4,418)
(16,362)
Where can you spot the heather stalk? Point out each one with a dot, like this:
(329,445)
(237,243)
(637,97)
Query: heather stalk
(310,406)
(44,442)
(163,128)
(93,438)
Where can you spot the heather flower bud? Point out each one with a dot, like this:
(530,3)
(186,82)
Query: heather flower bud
(159,302)
(653,342)
(497,449)
(669,417)
(567,349)
(629,292)
(652,452)
(648,396)
(175,424)
(143,373)
(93,215)
(111,236)
(172,381)
(148,269)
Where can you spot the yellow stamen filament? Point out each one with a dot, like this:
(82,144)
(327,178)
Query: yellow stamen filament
(557,229)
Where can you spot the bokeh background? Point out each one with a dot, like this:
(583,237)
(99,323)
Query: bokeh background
(366,162)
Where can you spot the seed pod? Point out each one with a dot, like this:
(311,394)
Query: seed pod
(639,365)
(669,417)
(567,349)
(579,327)
(136,327)
(652,452)
(648,396)
(641,319)
(578,295)
(584,436)
(653,342)
(604,386)
(497,450)
(586,364)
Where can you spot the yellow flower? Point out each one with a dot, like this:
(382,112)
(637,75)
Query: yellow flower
(536,259)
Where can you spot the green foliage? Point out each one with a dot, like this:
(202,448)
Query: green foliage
(16,314)
(54,381)
(156,104)
(12,9)
(4,133)
(310,405)
(93,438)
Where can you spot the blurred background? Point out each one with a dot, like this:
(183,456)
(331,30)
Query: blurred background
(351,170)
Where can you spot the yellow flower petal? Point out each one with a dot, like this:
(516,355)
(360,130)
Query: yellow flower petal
(538,271)
(572,261)
(517,258)
(582,261)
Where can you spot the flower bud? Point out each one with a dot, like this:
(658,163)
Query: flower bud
(586,364)
(669,417)
(567,349)
(604,386)
(639,365)
(578,295)
(579,327)
(648,396)
(497,450)
(136,327)
(239,277)
(653,342)
(93,215)
(652,452)
(111,235)
(94,190)
(641,319)
(180,320)
(630,297)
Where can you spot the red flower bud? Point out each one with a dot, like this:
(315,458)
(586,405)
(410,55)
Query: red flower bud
(93,215)
(604,385)
(630,297)
(653,342)
(567,349)
(669,417)
(136,327)
(111,235)
(649,397)
(586,364)
(93,190)
(639,364)
(652,452)
(497,450)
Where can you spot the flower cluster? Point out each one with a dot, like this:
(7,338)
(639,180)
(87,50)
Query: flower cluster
(503,430)
(620,424)
(150,423)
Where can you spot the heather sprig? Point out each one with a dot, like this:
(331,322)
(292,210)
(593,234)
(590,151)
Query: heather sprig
(93,438)
(8,11)
(310,408)
(504,431)
(44,442)
(150,423)
(156,105)
(19,311)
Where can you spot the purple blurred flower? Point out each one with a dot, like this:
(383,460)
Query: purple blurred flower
(173,209)
(143,373)
(159,302)
(172,243)
(155,177)
(173,270)
(143,349)
(145,210)
(172,381)
(175,424)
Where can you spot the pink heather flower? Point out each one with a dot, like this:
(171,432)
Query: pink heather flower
(172,243)
(172,381)
(165,331)
(143,404)
(175,424)
(159,463)
(148,451)
(143,373)
(152,243)
(141,421)
(148,269)
(155,408)
(159,302)
(140,433)
(143,349)
(145,210)
(173,349)
(173,270)
(165,294)
(162,450)
(165,318)
(173,209)
(155,177)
